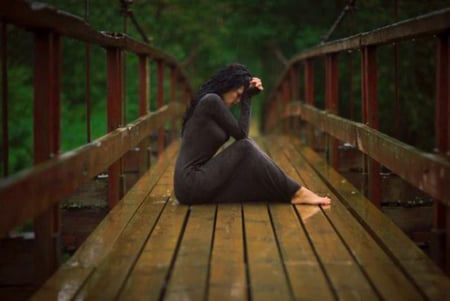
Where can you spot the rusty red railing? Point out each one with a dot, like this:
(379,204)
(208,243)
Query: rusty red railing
(35,193)
(430,172)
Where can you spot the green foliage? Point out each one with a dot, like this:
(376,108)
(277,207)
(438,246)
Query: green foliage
(20,121)
(205,35)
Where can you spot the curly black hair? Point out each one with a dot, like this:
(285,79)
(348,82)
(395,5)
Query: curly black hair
(226,79)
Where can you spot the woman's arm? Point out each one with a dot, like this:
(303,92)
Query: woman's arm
(246,103)
(213,106)
(246,111)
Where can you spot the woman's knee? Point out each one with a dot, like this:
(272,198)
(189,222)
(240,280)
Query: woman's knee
(245,144)
(249,146)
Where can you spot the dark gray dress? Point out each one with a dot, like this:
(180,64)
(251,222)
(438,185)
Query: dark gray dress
(239,173)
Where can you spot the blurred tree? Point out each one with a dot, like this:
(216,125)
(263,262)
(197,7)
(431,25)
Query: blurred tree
(205,35)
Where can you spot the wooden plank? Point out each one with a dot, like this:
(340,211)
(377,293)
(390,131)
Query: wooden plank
(30,192)
(267,276)
(299,256)
(154,263)
(189,277)
(347,278)
(339,127)
(41,16)
(69,278)
(428,171)
(64,283)
(109,277)
(305,272)
(387,278)
(426,275)
(428,24)
(341,269)
(228,279)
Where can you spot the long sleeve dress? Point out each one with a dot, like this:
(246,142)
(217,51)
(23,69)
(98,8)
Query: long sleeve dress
(241,172)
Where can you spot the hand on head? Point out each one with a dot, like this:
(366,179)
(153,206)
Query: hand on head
(257,83)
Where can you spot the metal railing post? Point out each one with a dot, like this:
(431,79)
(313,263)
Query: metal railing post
(47,128)
(369,84)
(144,108)
(331,102)
(440,233)
(5,133)
(309,98)
(160,102)
(115,117)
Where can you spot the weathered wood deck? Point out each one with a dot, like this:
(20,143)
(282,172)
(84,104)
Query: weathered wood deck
(151,248)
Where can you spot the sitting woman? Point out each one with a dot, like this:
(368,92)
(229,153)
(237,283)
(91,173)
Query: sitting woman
(242,172)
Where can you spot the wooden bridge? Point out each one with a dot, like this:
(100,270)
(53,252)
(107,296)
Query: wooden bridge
(150,247)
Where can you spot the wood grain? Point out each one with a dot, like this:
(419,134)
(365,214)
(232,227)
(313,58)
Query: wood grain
(424,273)
(73,274)
(342,270)
(228,279)
(268,280)
(382,271)
(189,275)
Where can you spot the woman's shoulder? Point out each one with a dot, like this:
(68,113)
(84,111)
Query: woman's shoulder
(211,99)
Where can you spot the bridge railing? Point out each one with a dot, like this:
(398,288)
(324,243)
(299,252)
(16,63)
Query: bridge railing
(35,193)
(430,172)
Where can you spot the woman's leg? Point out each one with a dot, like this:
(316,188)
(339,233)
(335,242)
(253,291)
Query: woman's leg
(243,172)
(303,195)
(218,174)
(248,174)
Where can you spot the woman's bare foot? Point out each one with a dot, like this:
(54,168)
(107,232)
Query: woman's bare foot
(306,196)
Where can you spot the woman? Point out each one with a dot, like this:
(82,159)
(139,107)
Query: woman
(242,171)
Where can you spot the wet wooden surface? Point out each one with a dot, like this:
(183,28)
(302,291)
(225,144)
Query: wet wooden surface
(151,248)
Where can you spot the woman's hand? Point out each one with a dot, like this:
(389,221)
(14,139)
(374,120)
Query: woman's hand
(257,83)
(254,87)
